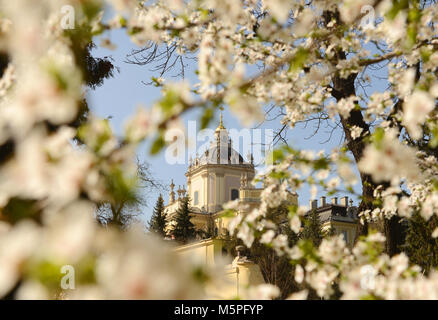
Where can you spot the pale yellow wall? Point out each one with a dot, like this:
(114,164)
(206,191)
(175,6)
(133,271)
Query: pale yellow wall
(222,224)
(170,212)
(339,227)
(250,193)
(207,251)
(219,191)
(211,189)
(197,184)
(233,279)
(214,184)
(207,185)
(236,280)
(231,181)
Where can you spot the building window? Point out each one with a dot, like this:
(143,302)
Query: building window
(196,198)
(234,194)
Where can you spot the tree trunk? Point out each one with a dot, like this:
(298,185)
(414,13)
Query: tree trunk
(344,88)
(394,235)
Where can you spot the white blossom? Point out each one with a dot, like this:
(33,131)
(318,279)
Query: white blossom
(416,108)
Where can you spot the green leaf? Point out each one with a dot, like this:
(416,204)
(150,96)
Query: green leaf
(169,100)
(320,164)
(228,213)
(91,8)
(157,145)
(278,155)
(206,117)
(378,136)
(397,6)
(299,59)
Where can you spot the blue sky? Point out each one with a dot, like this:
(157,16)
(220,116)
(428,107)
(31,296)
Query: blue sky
(119,97)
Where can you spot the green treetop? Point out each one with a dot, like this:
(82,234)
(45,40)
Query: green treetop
(184,229)
(157,223)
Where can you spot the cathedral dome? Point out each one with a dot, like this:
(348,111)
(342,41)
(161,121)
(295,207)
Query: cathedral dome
(210,156)
(220,151)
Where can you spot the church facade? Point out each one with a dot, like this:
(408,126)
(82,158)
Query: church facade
(221,175)
(216,177)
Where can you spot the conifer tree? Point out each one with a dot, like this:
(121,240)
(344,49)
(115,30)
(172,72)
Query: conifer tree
(420,247)
(210,231)
(184,229)
(157,223)
(312,229)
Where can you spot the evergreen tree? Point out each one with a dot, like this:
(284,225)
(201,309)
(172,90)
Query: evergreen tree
(184,229)
(420,247)
(210,231)
(95,71)
(157,223)
(312,229)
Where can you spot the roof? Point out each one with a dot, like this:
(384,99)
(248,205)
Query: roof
(210,156)
(336,212)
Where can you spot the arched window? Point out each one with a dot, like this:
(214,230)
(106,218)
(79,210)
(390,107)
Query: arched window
(196,198)
(234,194)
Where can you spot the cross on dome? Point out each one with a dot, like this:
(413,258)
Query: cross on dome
(221,123)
